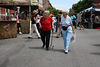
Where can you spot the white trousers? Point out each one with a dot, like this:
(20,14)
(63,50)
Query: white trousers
(33,27)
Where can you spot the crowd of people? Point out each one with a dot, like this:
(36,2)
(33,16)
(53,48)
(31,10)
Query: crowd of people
(62,25)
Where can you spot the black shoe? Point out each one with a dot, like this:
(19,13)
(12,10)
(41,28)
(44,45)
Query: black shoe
(29,37)
(47,48)
(43,46)
(57,36)
(39,37)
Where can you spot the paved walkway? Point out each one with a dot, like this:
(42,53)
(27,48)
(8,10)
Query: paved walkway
(24,52)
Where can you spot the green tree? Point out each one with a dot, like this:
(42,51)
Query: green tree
(81,5)
(70,13)
(53,11)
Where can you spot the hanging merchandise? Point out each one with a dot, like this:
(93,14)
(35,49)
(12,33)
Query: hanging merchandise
(18,9)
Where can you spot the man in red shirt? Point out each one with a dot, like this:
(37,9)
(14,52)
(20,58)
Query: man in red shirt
(45,25)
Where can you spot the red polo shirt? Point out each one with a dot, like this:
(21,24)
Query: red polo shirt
(46,23)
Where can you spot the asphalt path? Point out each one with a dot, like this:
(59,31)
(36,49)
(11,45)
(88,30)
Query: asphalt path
(24,52)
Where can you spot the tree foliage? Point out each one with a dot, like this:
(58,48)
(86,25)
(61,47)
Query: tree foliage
(53,11)
(81,5)
(70,13)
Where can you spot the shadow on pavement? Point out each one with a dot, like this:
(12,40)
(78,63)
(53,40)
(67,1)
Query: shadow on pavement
(54,50)
(98,45)
(57,50)
(35,48)
(95,53)
(28,39)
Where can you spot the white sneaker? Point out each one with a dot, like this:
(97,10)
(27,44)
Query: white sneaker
(20,33)
(66,51)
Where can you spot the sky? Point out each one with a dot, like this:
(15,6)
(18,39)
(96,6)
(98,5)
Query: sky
(63,4)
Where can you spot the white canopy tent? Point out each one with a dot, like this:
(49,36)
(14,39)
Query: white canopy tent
(91,10)
(97,9)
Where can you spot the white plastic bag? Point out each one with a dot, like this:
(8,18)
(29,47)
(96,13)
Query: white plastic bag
(73,38)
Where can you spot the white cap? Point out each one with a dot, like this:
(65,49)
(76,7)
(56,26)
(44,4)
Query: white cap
(65,11)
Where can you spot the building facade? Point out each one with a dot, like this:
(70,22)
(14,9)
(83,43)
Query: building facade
(96,4)
(46,4)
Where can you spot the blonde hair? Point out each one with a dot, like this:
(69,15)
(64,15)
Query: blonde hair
(35,12)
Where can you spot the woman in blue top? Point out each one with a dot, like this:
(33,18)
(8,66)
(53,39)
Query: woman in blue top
(67,29)
(73,17)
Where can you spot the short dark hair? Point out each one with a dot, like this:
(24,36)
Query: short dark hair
(60,12)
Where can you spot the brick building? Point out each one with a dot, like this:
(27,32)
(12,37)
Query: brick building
(46,4)
(96,4)
(97,1)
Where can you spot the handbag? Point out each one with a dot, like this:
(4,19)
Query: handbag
(65,28)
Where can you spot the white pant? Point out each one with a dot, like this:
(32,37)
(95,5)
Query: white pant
(33,27)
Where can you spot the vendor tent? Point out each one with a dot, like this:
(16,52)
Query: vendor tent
(90,9)
(23,4)
(97,9)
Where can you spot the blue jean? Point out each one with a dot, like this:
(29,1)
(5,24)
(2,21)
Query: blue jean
(66,37)
(57,26)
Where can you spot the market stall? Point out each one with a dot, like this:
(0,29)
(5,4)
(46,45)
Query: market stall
(89,16)
(23,5)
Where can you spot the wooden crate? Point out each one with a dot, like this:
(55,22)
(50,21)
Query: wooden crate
(8,29)
(25,26)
